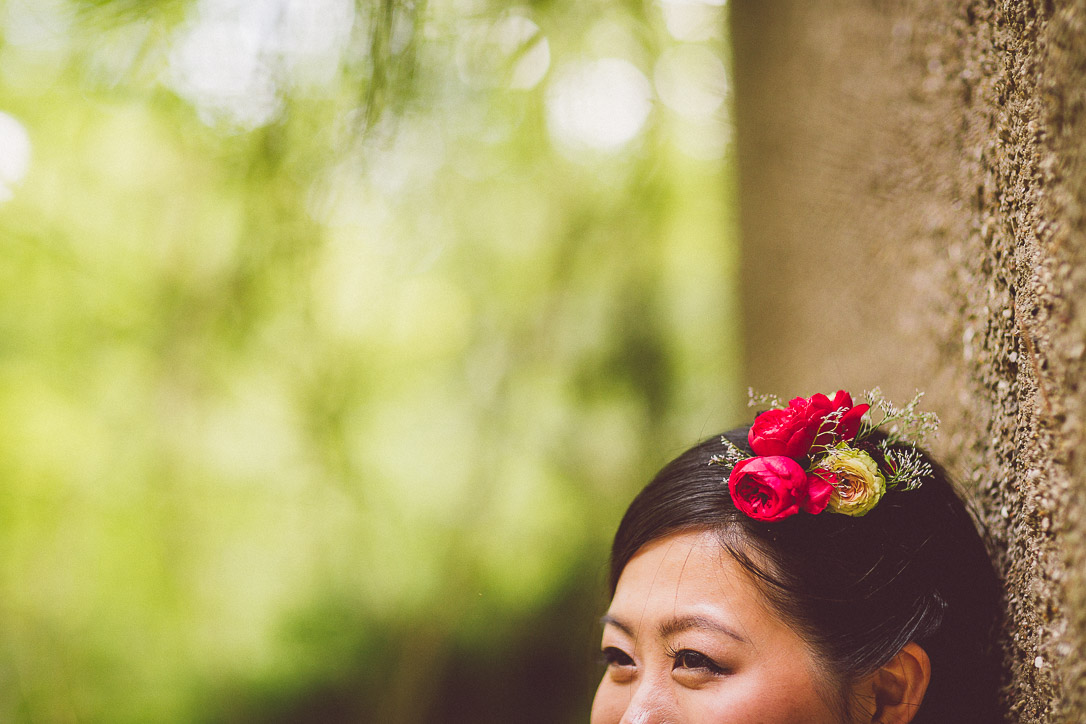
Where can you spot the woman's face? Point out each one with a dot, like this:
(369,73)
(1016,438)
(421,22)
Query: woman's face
(688,639)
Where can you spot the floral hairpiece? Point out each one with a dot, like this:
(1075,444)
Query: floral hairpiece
(816,455)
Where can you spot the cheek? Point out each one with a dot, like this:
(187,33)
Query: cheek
(779,697)
(780,693)
(608,706)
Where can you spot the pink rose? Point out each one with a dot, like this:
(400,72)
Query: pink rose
(793,431)
(774,487)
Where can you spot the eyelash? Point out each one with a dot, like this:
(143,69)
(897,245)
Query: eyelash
(616,657)
(690,659)
(682,658)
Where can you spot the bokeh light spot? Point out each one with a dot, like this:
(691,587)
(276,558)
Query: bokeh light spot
(691,80)
(510,50)
(40,24)
(601,104)
(218,64)
(235,59)
(693,20)
(14,154)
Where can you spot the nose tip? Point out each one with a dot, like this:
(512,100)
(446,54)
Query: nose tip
(645,707)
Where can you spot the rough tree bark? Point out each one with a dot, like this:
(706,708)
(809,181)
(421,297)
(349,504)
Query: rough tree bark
(913,193)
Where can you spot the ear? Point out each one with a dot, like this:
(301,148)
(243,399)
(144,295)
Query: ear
(892,695)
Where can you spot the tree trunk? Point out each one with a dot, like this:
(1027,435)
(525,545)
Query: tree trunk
(913,190)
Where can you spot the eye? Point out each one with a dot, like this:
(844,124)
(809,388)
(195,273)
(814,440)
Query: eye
(621,668)
(616,657)
(695,661)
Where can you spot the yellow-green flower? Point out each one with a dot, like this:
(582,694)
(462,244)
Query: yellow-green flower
(858,485)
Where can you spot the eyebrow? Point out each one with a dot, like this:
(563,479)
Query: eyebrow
(677,625)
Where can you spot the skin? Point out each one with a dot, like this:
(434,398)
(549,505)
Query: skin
(689,640)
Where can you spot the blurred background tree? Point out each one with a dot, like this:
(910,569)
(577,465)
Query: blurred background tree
(335,337)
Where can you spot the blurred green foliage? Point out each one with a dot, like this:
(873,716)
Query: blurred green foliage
(334,339)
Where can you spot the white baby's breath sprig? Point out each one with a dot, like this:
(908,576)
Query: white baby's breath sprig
(901,424)
(827,425)
(763,401)
(906,468)
(732,455)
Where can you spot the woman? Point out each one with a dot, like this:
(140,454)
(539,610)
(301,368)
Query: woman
(816,567)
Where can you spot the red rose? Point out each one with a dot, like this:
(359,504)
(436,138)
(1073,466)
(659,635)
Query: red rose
(792,431)
(774,487)
(820,486)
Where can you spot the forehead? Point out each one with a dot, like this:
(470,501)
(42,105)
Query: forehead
(690,574)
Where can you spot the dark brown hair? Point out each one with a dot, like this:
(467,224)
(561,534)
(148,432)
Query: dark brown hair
(915,568)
